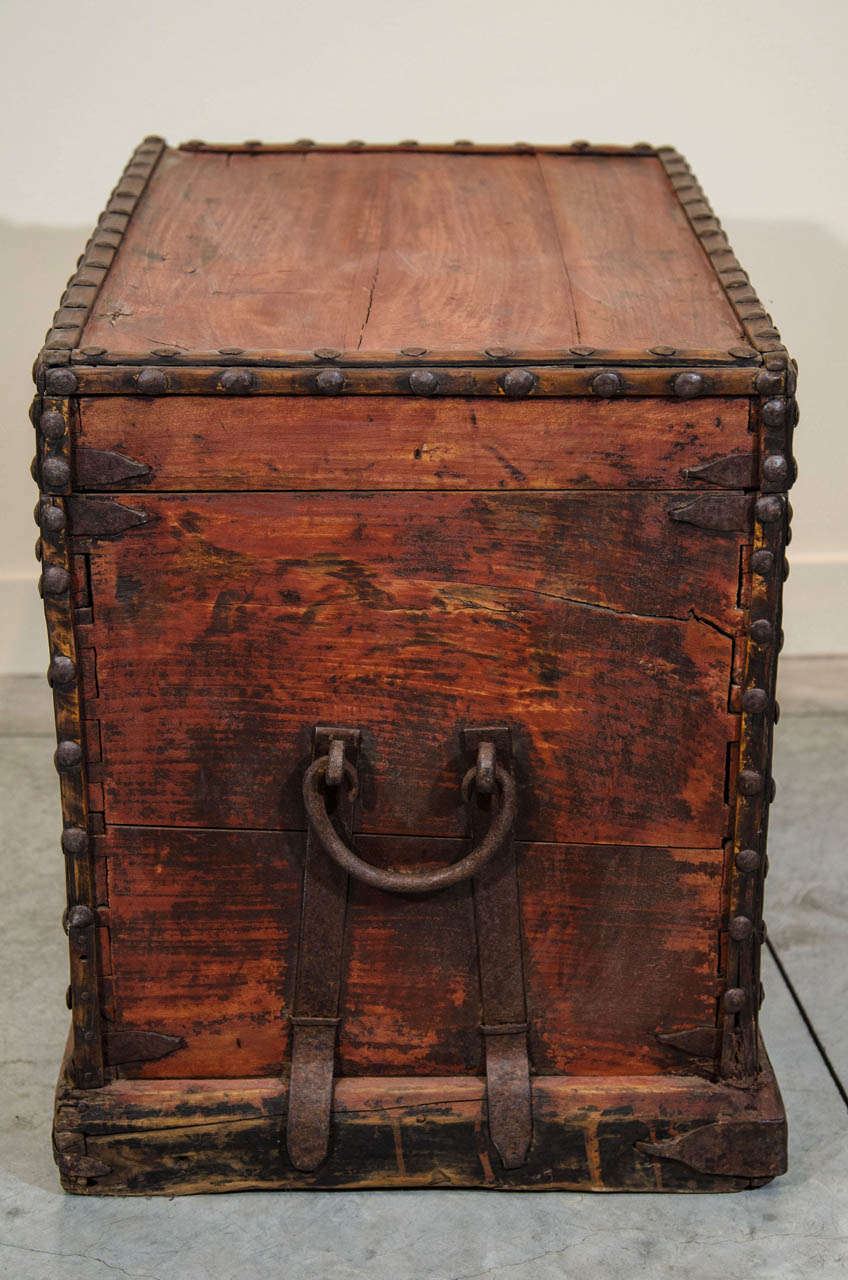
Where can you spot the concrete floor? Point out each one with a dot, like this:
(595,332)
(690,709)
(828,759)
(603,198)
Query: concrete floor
(796,1227)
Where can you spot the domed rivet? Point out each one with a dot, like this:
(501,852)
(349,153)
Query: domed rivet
(152,382)
(786,567)
(776,469)
(93,352)
(326,353)
(734,999)
(780,640)
(767,382)
(582,351)
(408,142)
(463,142)
(750,782)
(499,353)
(33,470)
(688,385)
(772,790)
(768,509)
(762,562)
(518,382)
(62,670)
(79,917)
(761,629)
(69,997)
(775,715)
(607,383)
(423,382)
(330,381)
(662,351)
(355,142)
(75,841)
(60,382)
(39,548)
(754,700)
(747,860)
(773,412)
(304,142)
(413,351)
(741,353)
(740,928)
(237,381)
(55,581)
(68,755)
(231,351)
(51,519)
(52,425)
(55,473)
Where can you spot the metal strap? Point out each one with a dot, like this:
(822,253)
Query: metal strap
(498,921)
(315,1015)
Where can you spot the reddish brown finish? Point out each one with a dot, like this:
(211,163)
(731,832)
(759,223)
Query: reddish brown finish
(234,623)
(203,932)
(634,266)
(293,252)
(390,443)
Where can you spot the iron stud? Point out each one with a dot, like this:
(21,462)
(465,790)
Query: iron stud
(769,509)
(326,353)
(60,382)
(51,519)
(607,383)
(762,562)
(62,670)
(688,385)
(750,782)
(734,1000)
(761,629)
(768,381)
(776,469)
(52,425)
(68,755)
(55,474)
(78,917)
(747,860)
(740,928)
(423,382)
(238,381)
(55,581)
(518,382)
(330,381)
(152,382)
(75,841)
(754,700)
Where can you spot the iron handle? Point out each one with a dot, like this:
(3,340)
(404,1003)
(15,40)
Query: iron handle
(488,771)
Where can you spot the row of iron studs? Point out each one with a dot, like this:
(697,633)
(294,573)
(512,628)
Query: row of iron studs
(776,417)
(52,472)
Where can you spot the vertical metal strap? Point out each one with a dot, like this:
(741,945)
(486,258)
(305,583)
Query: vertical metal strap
(315,1015)
(498,922)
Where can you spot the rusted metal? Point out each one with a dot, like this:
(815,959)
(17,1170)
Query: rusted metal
(607,383)
(736,471)
(749,782)
(104,468)
(55,581)
(315,1012)
(68,755)
(762,562)
(52,425)
(769,509)
(690,384)
(139,1044)
(75,841)
(737,1148)
(238,381)
(330,381)
(152,382)
(699,1042)
(62,670)
(102,517)
(755,700)
(423,382)
(325,832)
(55,475)
(734,999)
(740,928)
(721,512)
(51,519)
(518,382)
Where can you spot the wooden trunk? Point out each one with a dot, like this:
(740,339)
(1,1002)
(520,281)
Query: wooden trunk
(412,526)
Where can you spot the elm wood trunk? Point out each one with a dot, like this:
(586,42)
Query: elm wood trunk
(450,466)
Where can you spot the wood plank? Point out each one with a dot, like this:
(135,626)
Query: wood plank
(639,276)
(588,1135)
(234,623)
(469,258)
(280,252)
(204,928)
(203,443)
(227,252)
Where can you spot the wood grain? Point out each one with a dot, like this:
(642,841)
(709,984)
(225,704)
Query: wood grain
(596,627)
(389,442)
(155,1137)
(638,275)
(203,929)
(381,251)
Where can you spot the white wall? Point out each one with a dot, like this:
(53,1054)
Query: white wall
(752,92)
